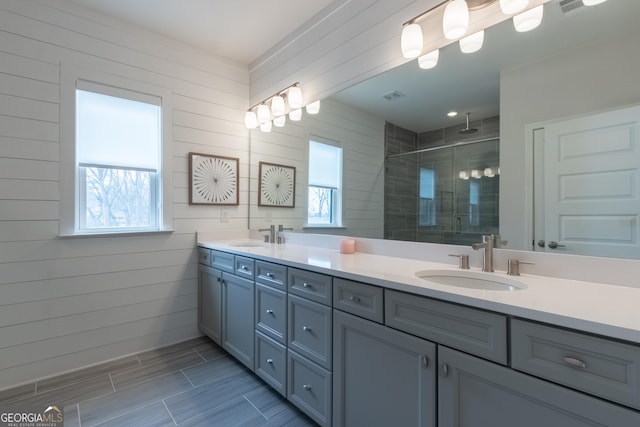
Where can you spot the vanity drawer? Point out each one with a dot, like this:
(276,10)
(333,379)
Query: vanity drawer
(307,284)
(271,363)
(244,267)
(358,298)
(223,261)
(309,388)
(271,312)
(598,366)
(204,256)
(478,332)
(310,328)
(270,274)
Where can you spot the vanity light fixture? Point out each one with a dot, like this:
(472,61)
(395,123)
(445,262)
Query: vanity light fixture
(510,7)
(472,43)
(411,41)
(280,121)
(277,106)
(529,20)
(295,115)
(429,60)
(455,21)
(288,100)
(592,2)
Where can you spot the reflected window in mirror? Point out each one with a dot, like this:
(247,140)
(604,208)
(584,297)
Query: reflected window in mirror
(427,203)
(324,206)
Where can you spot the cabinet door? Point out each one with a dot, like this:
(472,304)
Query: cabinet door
(238,320)
(210,302)
(477,393)
(381,377)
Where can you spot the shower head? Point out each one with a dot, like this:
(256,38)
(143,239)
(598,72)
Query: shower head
(467,130)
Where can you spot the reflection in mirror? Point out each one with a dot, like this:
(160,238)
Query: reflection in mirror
(578,62)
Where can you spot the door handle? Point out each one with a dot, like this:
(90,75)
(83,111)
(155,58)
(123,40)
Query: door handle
(553,245)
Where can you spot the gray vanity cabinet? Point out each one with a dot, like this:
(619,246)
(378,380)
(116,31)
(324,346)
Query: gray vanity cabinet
(382,377)
(238,318)
(476,393)
(210,302)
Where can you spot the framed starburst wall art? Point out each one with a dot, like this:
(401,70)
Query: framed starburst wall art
(213,180)
(277,185)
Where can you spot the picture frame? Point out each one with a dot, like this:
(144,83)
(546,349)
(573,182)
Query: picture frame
(276,185)
(213,180)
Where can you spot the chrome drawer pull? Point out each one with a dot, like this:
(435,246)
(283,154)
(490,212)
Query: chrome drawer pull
(269,311)
(306,285)
(270,361)
(574,363)
(244,267)
(306,386)
(270,275)
(306,328)
(354,298)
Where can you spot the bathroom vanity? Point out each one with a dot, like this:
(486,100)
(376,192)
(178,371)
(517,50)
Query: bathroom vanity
(366,339)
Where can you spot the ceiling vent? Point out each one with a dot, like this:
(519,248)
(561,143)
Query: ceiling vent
(569,7)
(393,95)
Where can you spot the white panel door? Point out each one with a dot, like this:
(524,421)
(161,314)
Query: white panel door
(592,184)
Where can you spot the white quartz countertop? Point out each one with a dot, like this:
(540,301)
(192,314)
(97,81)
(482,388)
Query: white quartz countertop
(608,310)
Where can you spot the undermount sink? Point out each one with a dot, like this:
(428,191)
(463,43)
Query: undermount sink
(471,280)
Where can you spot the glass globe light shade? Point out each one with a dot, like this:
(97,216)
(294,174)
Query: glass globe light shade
(313,108)
(411,41)
(250,120)
(295,115)
(429,60)
(294,97)
(277,106)
(528,20)
(472,43)
(264,114)
(280,121)
(509,7)
(455,21)
(266,126)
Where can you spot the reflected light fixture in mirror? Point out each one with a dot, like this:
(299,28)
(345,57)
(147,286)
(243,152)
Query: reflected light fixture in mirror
(280,121)
(277,106)
(295,115)
(266,126)
(510,7)
(429,60)
(472,43)
(529,20)
(264,115)
(313,108)
(592,2)
(455,21)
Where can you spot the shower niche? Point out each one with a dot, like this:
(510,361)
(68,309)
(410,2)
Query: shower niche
(442,186)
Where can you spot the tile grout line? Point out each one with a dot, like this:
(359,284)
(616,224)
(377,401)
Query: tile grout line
(185,375)
(244,396)
(198,353)
(170,414)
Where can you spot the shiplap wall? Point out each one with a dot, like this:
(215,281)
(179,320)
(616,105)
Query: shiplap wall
(362,138)
(67,303)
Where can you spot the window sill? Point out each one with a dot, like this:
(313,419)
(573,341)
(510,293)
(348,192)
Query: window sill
(115,234)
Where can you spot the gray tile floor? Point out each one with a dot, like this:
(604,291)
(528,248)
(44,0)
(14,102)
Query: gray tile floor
(193,383)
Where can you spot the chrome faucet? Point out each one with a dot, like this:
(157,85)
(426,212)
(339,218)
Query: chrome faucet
(280,237)
(487,244)
(272,233)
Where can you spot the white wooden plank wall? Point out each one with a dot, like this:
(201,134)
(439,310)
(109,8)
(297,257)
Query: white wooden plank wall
(362,138)
(67,303)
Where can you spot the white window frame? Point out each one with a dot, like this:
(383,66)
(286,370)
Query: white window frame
(70,186)
(338,210)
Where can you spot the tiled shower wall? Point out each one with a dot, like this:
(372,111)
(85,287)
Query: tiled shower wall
(401,183)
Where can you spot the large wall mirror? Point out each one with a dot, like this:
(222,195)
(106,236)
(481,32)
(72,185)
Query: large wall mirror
(582,62)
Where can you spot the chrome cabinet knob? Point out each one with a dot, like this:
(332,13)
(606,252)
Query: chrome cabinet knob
(269,361)
(269,311)
(306,328)
(270,275)
(306,387)
(306,285)
(354,298)
(553,245)
(445,369)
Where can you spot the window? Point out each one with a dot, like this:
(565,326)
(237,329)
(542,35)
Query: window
(114,162)
(325,185)
(426,201)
